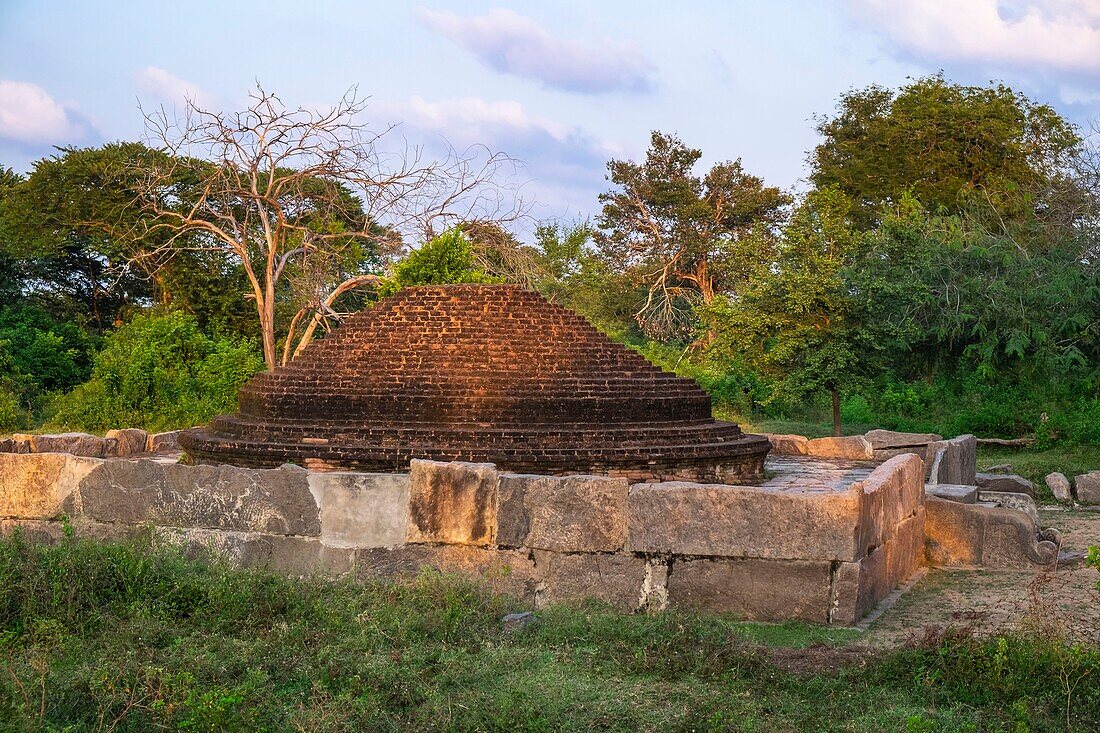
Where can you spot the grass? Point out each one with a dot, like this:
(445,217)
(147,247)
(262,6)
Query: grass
(137,638)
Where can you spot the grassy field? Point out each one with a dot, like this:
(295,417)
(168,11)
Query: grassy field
(137,638)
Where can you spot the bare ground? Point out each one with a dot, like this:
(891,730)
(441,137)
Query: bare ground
(993,601)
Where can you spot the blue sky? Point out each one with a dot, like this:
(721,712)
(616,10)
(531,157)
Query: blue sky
(563,86)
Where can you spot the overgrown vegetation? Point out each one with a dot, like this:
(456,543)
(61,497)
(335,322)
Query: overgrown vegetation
(134,637)
(950,292)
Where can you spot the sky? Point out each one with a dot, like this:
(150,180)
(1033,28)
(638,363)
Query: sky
(561,86)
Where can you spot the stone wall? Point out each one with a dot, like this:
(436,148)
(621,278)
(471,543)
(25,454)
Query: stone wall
(825,555)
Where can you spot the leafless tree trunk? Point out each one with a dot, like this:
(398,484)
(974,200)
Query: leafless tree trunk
(281,190)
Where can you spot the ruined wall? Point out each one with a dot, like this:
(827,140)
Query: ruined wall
(826,555)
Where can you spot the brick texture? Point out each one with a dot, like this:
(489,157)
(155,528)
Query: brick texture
(479,373)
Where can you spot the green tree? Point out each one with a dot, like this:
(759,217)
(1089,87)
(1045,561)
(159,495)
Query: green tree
(681,235)
(949,145)
(159,372)
(796,320)
(61,225)
(446,259)
(950,293)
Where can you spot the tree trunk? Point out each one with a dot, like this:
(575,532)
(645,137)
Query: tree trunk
(836,412)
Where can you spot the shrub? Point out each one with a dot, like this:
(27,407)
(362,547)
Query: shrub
(449,258)
(159,372)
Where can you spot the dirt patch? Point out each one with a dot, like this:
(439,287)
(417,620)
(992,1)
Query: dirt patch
(1062,601)
(820,658)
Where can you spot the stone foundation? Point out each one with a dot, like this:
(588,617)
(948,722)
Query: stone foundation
(821,543)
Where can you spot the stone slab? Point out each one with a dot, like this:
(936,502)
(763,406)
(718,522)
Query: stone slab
(128,441)
(851,447)
(788,445)
(41,485)
(511,572)
(960,462)
(166,441)
(972,535)
(453,503)
(737,521)
(77,444)
(1059,486)
(893,492)
(51,532)
(362,509)
(954,492)
(613,579)
(297,556)
(885,439)
(1004,482)
(1016,502)
(563,514)
(1087,486)
(271,501)
(753,589)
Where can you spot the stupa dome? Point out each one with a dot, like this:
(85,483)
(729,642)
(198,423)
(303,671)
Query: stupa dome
(484,373)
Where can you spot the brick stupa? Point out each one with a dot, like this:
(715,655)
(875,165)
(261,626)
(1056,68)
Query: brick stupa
(482,373)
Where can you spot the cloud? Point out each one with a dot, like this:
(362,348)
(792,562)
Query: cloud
(1057,35)
(565,164)
(166,87)
(513,44)
(28,114)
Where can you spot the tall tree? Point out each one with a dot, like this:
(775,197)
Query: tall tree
(276,188)
(797,320)
(682,235)
(948,145)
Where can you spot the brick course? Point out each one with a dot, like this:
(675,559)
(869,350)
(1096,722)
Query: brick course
(477,373)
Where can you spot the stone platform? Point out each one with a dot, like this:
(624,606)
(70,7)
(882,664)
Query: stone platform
(821,541)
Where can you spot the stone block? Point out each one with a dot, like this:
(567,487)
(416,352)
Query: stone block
(454,503)
(935,463)
(887,439)
(972,535)
(738,521)
(1087,486)
(271,501)
(1016,502)
(511,572)
(22,443)
(51,531)
(851,447)
(77,444)
(892,492)
(788,445)
(7,445)
(40,486)
(613,579)
(961,461)
(164,442)
(362,509)
(298,556)
(563,514)
(954,492)
(1059,486)
(885,454)
(1006,482)
(753,589)
(128,441)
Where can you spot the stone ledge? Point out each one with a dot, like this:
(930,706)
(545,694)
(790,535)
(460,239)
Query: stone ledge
(566,514)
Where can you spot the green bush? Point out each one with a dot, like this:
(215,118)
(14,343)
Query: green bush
(159,372)
(447,259)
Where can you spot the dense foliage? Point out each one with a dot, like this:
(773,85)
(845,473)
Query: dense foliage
(942,273)
(137,637)
(159,372)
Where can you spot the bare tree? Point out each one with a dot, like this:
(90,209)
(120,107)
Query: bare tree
(297,196)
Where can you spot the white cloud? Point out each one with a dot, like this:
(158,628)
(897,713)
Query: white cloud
(514,44)
(565,164)
(1061,35)
(166,87)
(28,114)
